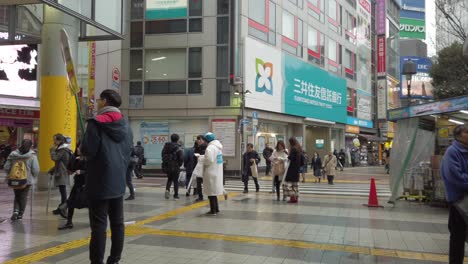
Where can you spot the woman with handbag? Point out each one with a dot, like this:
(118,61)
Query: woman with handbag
(296,161)
(316,166)
(78,198)
(278,160)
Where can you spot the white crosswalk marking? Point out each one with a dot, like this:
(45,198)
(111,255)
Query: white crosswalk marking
(345,189)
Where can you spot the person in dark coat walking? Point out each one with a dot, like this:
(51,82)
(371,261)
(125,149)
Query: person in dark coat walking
(249,157)
(140,153)
(342,159)
(296,161)
(106,145)
(129,175)
(172,158)
(316,166)
(189,165)
(200,148)
(267,151)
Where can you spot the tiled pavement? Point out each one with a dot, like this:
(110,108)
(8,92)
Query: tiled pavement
(252,228)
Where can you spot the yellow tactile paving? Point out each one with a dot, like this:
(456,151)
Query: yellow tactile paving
(138,229)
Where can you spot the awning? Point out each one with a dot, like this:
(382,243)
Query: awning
(16,103)
(372,138)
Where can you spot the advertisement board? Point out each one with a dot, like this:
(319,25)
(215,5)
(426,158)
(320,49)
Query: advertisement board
(364,51)
(153,137)
(381,17)
(18,70)
(381,56)
(364,106)
(434,108)
(412,28)
(381,99)
(415,9)
(164,9)
(285,84)
(421,84)
(359,122)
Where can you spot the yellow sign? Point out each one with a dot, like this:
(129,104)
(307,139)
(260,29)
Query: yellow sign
(352,129)
(444,132)
(68,59)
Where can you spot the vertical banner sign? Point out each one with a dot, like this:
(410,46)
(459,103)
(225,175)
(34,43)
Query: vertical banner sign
(381,17)
(225,131)
(91,75)
(364,48)
(381,99)
(153,136)
(381,56)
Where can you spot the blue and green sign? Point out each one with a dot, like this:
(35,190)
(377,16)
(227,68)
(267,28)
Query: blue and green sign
(166,9)
(312,92)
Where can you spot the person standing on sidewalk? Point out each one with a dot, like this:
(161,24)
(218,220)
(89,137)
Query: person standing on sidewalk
(129,175)
(200,148)
(140,153)
(454,171)
(106,146)
(316,166)
(61,154)
(329,167)
(279,159)
(248,159)
(28,158)
(213,172)
(172,158)
(296,161)
(267,151)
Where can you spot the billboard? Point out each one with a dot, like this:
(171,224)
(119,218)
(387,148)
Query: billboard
(415,9)
(18,70)
(163,9)
(381,17)
(412,28)
(285,84)
(421,85)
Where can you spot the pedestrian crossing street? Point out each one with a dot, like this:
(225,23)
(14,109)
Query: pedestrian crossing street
(339,189)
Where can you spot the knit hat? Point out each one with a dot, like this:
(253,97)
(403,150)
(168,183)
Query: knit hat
(209,137)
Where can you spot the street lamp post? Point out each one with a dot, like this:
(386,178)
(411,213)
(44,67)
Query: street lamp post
(240,91)
(409,69)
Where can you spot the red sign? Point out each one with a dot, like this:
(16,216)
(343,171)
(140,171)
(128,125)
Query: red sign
(19,113)
(115,75)
(366,5)
(381,56)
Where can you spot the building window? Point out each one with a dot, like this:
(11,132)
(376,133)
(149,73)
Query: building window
(222,65)
(194,86)
(349,64)
(193,22)
(195,63)
(315,9)
(333,55)
(315,46)
(135,88)
(136,10)
(334,16)
(350,27)
(262,20)
(195,25)
(195,8)
(136,64)
(223,7)
(292,34)
(136,34)
(223,93)
(165,64)
(166,26)
(223,30)
(298,3)
(165,87)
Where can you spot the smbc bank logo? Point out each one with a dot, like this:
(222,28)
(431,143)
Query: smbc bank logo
(412,28)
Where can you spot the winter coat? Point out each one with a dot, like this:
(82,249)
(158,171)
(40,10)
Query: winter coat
(61,156)
(316,165)
(295,161)
(454,171)
(278,159)
(107,145)
(267,152)
(246,171)
(213,169)
(189,161)
(329,167)
(139,152)
(172,148)
(32,165)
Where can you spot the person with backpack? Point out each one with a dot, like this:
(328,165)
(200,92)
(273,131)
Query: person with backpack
(22,168)
(62,155)
(106,146)
(172,158)
(140,153)
(78,198)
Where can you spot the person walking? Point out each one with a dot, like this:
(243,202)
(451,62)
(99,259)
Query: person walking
(296,161)
(172,158)
(454,171)
(278,160)
(316,166)
(267,152)
(200,148)
(61,154)
(106,146)
(78,198)
(129,175)
(23,156)
(248,159)
(190,162)
(213,172)
(329,167)
(342,159)
(140,153)
(303,169)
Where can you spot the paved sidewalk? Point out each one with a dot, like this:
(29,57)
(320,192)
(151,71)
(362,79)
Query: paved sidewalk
(252,228)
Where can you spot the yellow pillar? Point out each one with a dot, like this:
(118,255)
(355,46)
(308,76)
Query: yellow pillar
(58,106)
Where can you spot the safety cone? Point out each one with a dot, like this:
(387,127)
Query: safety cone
(373,201)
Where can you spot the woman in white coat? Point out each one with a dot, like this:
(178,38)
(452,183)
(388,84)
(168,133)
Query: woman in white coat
(279,159)
(213,172)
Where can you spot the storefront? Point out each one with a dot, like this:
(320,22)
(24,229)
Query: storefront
(18,124)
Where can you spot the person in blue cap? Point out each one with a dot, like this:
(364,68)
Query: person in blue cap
(213,172)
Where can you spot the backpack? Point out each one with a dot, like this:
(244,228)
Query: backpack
(170,163)
(18,176)
(71,167)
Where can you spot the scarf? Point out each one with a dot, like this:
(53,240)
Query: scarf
(107,109)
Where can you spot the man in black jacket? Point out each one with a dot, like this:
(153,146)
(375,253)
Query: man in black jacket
(140,152)
(106,145)
(249,157)
(172,158)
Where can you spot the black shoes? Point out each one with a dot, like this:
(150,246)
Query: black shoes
(56,211)
(245,191)
(199,200)
(129,198)
(15,216)
(67,225)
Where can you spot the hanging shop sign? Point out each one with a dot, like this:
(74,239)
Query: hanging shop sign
(381,56)
(359,122)
(381,17)
(382,99)
(444,106)
(352,129)
(164,9)
(412,28)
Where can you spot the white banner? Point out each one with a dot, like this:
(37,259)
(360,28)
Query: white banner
(381,99)
(364,107)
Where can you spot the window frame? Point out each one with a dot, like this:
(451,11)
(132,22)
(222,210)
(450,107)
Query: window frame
(297,42)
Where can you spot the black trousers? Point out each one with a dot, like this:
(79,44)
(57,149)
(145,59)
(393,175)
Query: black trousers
(330,179)
(277,186)
(457,230)
(199,188)
(21,198)
(128,179)
(99,211)
(63,193)
(173,177)
(138,169)
(268,168)
(245,179)
(214,208)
